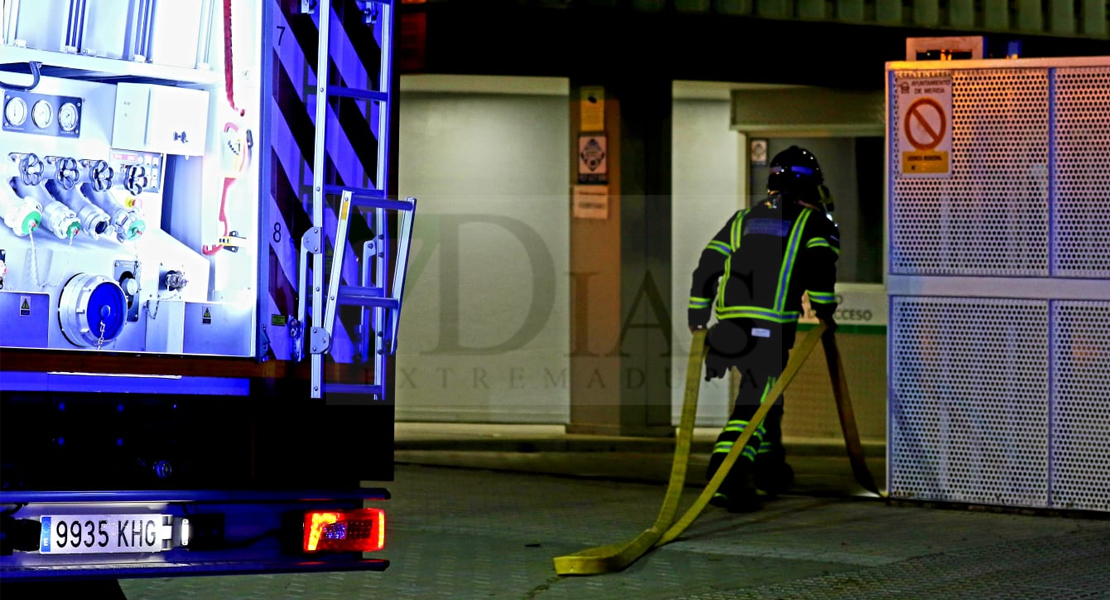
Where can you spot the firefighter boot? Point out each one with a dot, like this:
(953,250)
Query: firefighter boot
(772,476)
(737,493)
(720,498)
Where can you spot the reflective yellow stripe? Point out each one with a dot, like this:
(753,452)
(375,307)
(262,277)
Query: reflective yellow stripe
(737,230)
(822,243)
(719,247)
(820,297)
(724,284)
(770,384)
(788,260)
(756,312)
(759,309)
(734,240)
(764,447)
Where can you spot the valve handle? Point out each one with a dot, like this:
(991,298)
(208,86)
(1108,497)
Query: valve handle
(136,179)
(31,169)
(102,174)
(67,173)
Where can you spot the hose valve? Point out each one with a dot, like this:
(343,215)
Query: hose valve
(21,214)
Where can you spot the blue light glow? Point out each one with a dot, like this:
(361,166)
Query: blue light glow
(25,381)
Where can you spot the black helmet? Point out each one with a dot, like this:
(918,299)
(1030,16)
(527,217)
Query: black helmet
(796,174)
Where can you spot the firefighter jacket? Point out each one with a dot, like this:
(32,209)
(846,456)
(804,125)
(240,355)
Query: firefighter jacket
(759,264)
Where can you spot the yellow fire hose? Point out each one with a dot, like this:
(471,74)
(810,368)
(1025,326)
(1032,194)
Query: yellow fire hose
(615,557)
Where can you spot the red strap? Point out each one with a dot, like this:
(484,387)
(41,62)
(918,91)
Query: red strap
(229,69)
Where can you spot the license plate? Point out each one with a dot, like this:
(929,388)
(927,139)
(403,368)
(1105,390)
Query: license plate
(97,534)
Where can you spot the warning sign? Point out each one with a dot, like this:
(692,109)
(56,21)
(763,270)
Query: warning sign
(593,158)
(206,318)
(24,306)
(924,127)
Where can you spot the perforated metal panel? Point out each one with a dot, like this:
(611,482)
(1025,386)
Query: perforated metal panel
(969,400)
(990,216)
(1081,405)
(1081,244)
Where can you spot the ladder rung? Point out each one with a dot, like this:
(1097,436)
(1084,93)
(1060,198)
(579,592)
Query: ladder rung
(365,202)
(365,296)
(368,197)
(355,291)
(353,388)
(346,92)
(357,193)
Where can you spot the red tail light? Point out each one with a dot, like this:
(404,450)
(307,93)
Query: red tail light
(356,530)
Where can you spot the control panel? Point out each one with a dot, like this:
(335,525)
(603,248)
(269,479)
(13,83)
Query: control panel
(127,201)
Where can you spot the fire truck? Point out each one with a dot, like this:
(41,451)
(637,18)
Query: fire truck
(202,264)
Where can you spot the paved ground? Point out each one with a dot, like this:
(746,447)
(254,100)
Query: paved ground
(488,524)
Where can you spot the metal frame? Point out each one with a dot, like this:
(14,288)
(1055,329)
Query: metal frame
(380,312)
(75,27)
(265,169)
(208,11)
(144,19)
(318,197)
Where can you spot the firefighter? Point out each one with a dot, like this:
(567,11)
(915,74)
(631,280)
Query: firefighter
(752,274)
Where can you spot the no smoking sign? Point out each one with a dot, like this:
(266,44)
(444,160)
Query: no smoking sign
(924,126)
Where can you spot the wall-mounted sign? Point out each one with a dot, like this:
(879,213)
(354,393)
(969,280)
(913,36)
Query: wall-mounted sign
(924,127)
(759,152)
(858,305)
(593,158)
(593,108)
(591,202)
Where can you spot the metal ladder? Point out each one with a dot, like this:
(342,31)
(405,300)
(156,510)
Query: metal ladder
(378,294)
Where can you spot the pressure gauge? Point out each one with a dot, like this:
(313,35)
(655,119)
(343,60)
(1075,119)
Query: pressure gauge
(67,117)
(16,111)
(42,114)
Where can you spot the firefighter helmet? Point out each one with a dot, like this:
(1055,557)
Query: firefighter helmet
(795,173)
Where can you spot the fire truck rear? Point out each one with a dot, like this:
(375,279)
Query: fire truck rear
(202,260)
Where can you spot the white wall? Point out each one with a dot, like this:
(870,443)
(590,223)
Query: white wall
(485,328)
(491,153)
(707,167)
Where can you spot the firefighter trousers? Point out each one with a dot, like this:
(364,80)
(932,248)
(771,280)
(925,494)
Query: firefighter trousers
(764,450)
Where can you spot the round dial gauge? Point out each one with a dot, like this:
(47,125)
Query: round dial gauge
(16,111)
(67,117)
(42,114)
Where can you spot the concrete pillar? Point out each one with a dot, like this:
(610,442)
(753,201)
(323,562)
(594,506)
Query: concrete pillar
(621,314)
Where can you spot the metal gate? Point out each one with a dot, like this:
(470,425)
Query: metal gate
(999,282)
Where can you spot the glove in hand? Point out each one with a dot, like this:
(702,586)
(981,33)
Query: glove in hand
(715,366)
